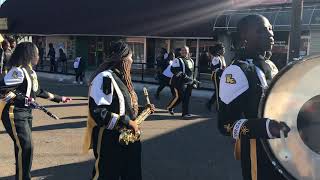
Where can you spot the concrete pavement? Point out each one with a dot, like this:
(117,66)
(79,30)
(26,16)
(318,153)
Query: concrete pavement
(172,148)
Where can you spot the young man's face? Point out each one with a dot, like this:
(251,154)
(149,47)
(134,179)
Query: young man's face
(260,35)
(222,51)
(184,52)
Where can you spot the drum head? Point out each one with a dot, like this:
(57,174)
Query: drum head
(294,97)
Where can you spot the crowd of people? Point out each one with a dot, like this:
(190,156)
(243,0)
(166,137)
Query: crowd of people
(113,102)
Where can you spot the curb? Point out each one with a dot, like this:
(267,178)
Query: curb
(152,87)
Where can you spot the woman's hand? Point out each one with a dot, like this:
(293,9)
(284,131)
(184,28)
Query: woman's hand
(152,107)
(134,126)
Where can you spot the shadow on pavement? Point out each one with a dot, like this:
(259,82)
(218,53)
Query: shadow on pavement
(74,117)
(65,105)
(72,125)
(77,171)
(193,152)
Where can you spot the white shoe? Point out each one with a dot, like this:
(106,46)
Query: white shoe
(81,83)
(74,82)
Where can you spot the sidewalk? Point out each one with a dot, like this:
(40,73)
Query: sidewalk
(138,86)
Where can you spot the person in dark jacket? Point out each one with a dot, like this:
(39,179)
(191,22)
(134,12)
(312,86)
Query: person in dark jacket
(17,113)
(242,85)
(52,56)
(63,60)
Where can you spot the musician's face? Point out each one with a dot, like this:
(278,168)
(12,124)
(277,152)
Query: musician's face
(260,35)
(184,52)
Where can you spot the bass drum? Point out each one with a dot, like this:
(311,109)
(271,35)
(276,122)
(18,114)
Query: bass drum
(294,97)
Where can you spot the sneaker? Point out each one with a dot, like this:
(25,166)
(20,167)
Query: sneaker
(81,83)
(170,110)
(74,82)
(187,116)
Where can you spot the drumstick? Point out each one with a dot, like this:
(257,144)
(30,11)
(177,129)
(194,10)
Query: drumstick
(284,154)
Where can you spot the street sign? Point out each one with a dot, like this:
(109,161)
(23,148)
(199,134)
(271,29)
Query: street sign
(3,24)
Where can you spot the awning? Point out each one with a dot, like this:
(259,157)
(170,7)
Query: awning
(147,18)
(279,17)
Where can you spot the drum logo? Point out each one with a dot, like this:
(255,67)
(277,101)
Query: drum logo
(230,79)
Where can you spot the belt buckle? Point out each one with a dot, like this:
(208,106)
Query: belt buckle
(27,102)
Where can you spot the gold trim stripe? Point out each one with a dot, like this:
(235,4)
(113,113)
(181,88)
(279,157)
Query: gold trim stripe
(101,130)
(217,90)
(253,158)
(14,131)
(174,100)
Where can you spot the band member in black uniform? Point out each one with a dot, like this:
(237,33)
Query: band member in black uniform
(165,76)
(17,114)
(241,86)
(182,82)
(218,64)
(113,103)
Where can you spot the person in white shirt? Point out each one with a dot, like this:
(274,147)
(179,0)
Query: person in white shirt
(165,76)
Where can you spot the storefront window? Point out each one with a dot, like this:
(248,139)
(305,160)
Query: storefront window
(204,46)
(137,46)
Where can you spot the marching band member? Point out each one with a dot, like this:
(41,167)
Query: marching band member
(218,64)
(182,82)
(113,103)
(17,114)
(241,86)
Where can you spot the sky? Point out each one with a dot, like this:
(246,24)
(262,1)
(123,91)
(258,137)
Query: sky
(2,1)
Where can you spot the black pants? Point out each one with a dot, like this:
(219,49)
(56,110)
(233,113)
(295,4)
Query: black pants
(183,94)
(18,124)
(53,67)
(113,160)
(163,82)
(79,74)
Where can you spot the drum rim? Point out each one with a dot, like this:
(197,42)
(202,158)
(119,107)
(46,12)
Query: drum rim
(278,166)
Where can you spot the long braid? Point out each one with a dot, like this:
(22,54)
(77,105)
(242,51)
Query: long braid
(126,66)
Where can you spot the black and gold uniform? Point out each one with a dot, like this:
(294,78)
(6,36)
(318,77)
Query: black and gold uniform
(218,64)
(112,104)
(17,115)
(182,83)
(241,88)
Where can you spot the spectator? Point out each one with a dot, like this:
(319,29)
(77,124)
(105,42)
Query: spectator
(41,53)
(63,60)
(79,68)
(52,56)
(12,43)
(7,52)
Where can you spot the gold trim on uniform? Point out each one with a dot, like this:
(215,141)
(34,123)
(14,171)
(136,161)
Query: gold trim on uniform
(174,100)
(237,149)
(15,135)
(217,90)
(253,158)
(101,130)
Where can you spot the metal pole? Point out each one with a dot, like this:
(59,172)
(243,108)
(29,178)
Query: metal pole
(196,68)
(295,34)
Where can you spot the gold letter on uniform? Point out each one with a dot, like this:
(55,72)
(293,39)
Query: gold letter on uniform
(230,79)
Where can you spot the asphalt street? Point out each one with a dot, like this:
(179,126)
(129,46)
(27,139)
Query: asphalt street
(172,148)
